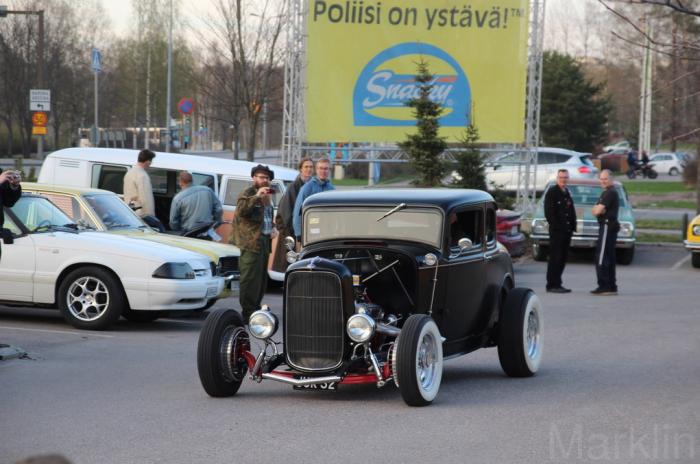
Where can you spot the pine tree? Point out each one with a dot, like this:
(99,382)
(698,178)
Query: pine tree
(425,147)
(470,166)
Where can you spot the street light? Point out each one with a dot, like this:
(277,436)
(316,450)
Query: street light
(40,52)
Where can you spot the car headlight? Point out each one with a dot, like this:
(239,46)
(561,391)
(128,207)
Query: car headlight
(626,229)
(174,271)
(262,324)
(696,230)
(292,256)
(360,328)
(430,259)
(540,226)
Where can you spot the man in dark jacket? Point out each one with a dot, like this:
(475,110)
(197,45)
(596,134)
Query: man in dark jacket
(606,210)
(253,230)
(10,192)
(321,182)
(561,216)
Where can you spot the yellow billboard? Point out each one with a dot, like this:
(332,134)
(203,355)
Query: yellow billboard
(361,60)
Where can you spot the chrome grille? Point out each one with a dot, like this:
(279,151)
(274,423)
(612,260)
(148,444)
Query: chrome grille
(314,326)
(586,228)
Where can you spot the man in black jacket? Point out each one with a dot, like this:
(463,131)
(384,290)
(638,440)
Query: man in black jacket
(606,210)
(561,216)
(10,191)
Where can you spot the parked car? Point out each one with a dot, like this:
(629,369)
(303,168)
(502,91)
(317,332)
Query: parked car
(508,231)
(104,168)
(692,241)
(388,284)
(503,171)
(671,163)
(621,145)
(94,277)
(585,194)
(104,211)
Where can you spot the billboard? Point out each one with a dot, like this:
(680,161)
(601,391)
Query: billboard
(361,60)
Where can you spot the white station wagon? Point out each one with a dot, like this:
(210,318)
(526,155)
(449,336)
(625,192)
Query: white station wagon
(95,277)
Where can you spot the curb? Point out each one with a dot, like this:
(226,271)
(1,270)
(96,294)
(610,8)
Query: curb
(10,352)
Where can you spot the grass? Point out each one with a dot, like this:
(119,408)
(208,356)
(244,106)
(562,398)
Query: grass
(652,187)
(665,224)
(684,204)
(656,238)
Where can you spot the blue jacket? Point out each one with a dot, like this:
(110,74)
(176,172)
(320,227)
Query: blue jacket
(194,206)
(312,187)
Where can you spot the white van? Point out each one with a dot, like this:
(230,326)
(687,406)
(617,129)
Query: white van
(105,168)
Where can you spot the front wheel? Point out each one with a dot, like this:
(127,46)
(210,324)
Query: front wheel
(625,256)
(539,252)
(91,298)
(418,363)
(220,361)
(695,259)
(520,333)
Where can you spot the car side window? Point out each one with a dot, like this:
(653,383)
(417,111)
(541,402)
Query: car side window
(466,224)
(10,225)
(490,226)
(108,177)
(71,207)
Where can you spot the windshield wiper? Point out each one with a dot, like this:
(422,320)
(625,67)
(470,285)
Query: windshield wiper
(398,207)
(49,227)
(116,226)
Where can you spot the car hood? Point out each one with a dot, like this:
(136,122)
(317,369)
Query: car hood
(102,243)
(583,212)
(213,250)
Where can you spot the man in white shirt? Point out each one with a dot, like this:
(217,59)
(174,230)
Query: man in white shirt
(138,190)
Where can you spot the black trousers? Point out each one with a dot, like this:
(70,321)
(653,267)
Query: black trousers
(605,257)
(559,242)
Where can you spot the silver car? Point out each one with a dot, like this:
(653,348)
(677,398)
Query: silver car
(502,172)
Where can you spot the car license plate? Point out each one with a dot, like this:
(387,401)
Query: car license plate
(319,386)
(212,292)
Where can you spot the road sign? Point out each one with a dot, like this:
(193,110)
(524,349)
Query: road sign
(38,130)
(39,119)
(39,100)
(96,60)
(185,106)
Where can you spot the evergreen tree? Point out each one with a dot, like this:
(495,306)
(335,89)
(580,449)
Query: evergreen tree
(425,147)
(574,111)
(470,166)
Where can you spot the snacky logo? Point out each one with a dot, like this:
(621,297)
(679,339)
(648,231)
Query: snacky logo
(386,85)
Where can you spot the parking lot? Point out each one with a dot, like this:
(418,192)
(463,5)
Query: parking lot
(618,383)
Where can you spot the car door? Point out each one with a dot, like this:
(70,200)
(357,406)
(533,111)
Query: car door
(465,272)
(17,264)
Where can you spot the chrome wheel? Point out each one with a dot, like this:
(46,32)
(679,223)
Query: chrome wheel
(426,366)
(87,299)
(234,341)
(533,335)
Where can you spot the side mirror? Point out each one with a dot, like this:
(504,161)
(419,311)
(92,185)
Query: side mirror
(7,237)
(290,243)
(464,244)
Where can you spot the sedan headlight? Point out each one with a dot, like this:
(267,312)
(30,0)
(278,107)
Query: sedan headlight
(540,226)
(360,327)
(262,324)
(696,230)
(174,271)
(626,229)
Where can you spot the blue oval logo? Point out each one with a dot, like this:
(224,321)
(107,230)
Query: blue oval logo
(386,85)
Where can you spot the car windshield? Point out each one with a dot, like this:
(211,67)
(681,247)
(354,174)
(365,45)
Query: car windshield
(113,212)
(413,224)
(39,214)
(589,194)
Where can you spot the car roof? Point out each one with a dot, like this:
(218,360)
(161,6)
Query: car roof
(179,161)
(445,198)
(70,190)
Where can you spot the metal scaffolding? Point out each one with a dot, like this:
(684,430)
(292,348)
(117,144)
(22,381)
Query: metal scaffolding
(293,113)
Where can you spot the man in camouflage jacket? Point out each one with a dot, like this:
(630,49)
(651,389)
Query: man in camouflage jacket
(253,231)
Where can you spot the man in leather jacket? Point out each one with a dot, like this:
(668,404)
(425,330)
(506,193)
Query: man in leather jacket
(561,216)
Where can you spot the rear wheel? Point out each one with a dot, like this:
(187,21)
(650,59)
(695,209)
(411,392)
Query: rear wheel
(91,298)
(652,174)
(625,255)
(695,260)
(674,171)
(419,360)
(220,361)
(539,252)
(520,333)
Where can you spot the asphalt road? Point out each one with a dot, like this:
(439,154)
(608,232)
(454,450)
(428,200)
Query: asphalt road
(619,383)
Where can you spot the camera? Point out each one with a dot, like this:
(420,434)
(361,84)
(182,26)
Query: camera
(271,190)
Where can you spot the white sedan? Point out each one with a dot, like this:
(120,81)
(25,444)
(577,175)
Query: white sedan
(95,277)
(667,163)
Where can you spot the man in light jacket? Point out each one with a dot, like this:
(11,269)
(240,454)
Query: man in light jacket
(138,190)
(321,182)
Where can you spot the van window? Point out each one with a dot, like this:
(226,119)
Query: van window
(108,178)
(159,180)
(203,179)
(233,188)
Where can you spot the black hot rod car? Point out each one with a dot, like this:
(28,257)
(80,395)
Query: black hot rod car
(389,284)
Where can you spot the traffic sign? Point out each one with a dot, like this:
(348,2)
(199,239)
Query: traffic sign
(39,119)
(96,60)
(38,130)
(39,100)
(185,106)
